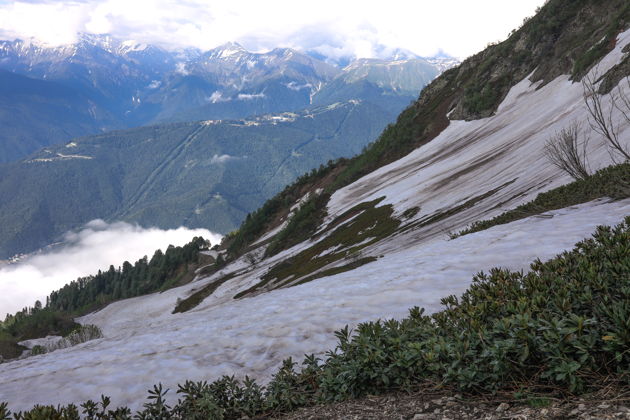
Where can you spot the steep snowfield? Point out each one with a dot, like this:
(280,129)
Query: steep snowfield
(471,158)
(145,344)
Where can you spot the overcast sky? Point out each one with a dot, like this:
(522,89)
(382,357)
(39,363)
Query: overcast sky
(333,27)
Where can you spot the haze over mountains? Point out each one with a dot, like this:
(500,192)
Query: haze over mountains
(102,83)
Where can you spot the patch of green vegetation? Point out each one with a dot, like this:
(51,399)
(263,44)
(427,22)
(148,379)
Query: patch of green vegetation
(603,47)
(613,182)
(301,226)
(369,225)
(164,270)
(538,402)
(337,270)
(274,209)
(410,212)
(198,297)
(562,329)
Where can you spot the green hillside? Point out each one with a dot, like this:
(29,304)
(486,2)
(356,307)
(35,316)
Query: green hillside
(204,174)
(36,113)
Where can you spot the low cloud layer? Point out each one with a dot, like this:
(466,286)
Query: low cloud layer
(333,28)
(96,246)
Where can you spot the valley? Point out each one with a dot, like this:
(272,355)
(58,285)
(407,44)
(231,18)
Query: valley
(116,84)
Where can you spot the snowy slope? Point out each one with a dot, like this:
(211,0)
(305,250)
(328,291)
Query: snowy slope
(145,344)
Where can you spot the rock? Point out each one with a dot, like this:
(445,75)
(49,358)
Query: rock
(420,416)
(581,407)
(574,412)
(503,407)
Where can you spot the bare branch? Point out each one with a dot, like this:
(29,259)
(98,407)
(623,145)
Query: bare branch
(565,151)
(602,122)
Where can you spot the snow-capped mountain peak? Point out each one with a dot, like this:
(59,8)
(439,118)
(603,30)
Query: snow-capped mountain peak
(229,50)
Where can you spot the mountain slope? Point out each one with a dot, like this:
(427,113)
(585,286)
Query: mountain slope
(399,205)
(208,174)
(130,84)
(36,113)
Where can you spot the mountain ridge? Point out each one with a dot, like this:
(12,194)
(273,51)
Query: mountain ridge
(132,84)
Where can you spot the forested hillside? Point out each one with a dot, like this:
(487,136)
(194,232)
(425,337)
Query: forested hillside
(205,174)
(52,112)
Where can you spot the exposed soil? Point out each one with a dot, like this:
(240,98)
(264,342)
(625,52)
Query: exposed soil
(429,405)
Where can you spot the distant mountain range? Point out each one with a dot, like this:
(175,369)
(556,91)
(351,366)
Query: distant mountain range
(112,84)
(205,174)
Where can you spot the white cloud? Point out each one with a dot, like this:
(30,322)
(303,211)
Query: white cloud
(216,159)
(217,97)
(181,69)
(95,247)
(459,27)
(250,96)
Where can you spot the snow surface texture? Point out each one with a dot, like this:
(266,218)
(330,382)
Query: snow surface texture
(471,158)
(144,343)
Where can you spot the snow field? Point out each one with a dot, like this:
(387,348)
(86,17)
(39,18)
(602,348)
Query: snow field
(144,344)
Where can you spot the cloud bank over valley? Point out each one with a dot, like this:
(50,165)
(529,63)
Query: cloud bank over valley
(96,246)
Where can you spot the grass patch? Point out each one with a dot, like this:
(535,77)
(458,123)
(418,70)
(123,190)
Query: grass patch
(198,297)
(439,216)
(613,182)
(370,224)
(302,225)
(337,270)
